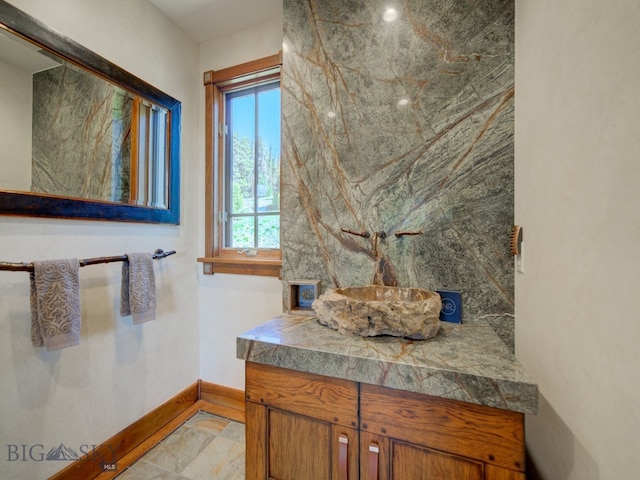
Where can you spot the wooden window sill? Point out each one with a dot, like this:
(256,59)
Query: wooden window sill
(266,267)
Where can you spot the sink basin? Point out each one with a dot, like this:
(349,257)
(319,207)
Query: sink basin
(377,310)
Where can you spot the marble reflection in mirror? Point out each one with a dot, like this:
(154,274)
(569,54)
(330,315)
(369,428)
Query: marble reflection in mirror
(67,132)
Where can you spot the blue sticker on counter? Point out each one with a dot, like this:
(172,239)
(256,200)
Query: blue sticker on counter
(451,306)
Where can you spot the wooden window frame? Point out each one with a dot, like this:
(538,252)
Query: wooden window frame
(218,259)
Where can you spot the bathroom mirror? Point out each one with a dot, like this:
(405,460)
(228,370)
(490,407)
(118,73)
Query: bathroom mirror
(81,137)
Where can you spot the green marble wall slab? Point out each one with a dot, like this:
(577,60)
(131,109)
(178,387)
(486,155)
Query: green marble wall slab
(396,126)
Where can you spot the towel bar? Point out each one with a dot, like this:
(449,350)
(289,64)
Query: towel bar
(28,267)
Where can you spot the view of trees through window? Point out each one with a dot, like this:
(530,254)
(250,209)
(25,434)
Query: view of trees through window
(253,167)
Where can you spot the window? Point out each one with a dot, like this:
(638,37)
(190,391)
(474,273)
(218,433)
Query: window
(252,167)
(149,166)
(243,169)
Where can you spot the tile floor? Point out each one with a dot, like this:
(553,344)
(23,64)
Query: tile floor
(206,447)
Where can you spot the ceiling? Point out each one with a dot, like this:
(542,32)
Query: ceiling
(203,20)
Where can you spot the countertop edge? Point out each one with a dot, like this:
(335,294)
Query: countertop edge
(518,395)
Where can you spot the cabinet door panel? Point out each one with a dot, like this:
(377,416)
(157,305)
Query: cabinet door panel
(418,463)
(299,447)
(374,465)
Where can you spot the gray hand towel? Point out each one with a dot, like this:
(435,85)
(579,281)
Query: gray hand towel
(55,303)
(138,292)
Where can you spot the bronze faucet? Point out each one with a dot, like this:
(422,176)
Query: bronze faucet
(381,235)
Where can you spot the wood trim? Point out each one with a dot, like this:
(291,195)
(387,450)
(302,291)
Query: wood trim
(218,259)
(124,442)
(327,399)
(134,175)
(143,448)
(211,175)
(257,78)
(253,266)
(231,399)
(244,69)
(217,159)
(129,445)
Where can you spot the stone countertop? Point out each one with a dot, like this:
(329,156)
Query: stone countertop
(465,362)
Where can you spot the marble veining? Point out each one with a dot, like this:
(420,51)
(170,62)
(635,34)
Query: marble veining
(81,138)
(399,126)
(463,362)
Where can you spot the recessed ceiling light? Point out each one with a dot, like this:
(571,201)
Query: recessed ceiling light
(390,14)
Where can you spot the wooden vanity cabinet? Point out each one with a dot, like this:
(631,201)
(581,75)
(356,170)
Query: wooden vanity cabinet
(301,426)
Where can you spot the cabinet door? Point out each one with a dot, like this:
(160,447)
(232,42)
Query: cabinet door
(418,463)
(299,448)
(385,458)
(302,448)
(300,426)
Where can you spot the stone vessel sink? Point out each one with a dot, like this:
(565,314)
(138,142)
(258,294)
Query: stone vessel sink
(377,310)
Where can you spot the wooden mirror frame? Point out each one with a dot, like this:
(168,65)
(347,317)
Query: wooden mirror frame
(40,205)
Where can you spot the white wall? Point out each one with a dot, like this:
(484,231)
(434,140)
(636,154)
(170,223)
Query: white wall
(578,200)
(16,96)
(233,304)
(119,372)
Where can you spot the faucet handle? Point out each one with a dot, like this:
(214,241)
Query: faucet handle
(359,234)
(402,234)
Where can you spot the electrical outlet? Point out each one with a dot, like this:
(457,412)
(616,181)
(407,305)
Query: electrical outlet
(451,306)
